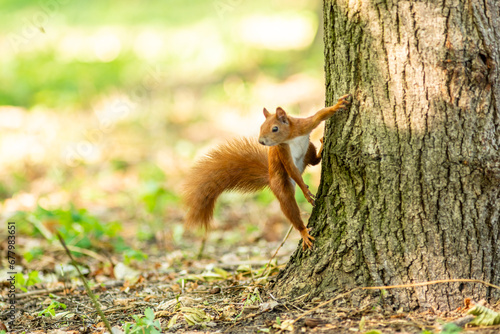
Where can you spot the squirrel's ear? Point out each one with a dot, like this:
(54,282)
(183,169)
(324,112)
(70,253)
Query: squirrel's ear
(281,115)
(266,113)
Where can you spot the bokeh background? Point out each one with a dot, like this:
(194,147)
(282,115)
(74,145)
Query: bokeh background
(104,105)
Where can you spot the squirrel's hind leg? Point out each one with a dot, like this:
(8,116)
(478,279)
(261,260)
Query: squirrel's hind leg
(284,191)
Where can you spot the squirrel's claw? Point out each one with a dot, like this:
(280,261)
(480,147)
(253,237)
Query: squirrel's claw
(343,101)
(310,197)
(307,239)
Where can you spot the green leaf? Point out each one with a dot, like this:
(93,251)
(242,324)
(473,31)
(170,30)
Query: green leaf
(244,268)
(224,274)
(127,327)
(425,331)
(149,313)
(33,278)
(451,328)
(484,316)
(20,282)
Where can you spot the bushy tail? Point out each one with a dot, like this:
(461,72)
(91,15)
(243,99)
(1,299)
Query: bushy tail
(239,165)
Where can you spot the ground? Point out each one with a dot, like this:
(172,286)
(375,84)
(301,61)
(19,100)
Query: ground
(225,291)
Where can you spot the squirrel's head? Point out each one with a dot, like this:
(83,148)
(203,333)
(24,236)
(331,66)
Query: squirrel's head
(275,129)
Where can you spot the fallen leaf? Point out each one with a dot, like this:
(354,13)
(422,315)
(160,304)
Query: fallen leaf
(215,290)
(484,316)
(287,325)
(172,322)
(181,301)
(194,316)
(313,322)
(268,306)
(124,272)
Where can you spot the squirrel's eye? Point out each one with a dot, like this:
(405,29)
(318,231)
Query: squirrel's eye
(275,129)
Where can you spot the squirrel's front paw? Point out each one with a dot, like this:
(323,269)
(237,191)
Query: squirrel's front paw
(307,239)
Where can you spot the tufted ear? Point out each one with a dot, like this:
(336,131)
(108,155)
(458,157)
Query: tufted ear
(281,115)
(266,113)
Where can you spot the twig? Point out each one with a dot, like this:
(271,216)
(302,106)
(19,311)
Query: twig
(253,315)
(321,305)
(39,292)
(411,285)
(202,247)
(59,289)
(277,250)
(465,280)
(86,285)
(121,308)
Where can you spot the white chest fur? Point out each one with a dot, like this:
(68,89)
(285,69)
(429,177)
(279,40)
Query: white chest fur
(298,149)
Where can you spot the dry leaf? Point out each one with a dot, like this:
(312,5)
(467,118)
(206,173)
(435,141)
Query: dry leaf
(173,321)
(484,316)
(194,316)
(313,322)
(215,290)
(170,304)
(287,325)
(268,306)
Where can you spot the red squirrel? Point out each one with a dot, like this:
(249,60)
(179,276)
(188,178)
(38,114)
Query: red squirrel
(244,165)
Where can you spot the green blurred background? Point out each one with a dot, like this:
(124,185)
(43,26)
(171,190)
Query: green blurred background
(104,105)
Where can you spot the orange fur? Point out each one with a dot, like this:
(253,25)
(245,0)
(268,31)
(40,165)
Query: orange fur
(245,166)
(239,165)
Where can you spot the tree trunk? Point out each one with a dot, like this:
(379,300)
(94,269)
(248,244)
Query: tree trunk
(410,188)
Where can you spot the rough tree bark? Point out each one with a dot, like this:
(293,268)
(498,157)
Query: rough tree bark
(410,188)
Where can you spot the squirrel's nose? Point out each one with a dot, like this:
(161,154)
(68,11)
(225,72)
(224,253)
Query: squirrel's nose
(261,141)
